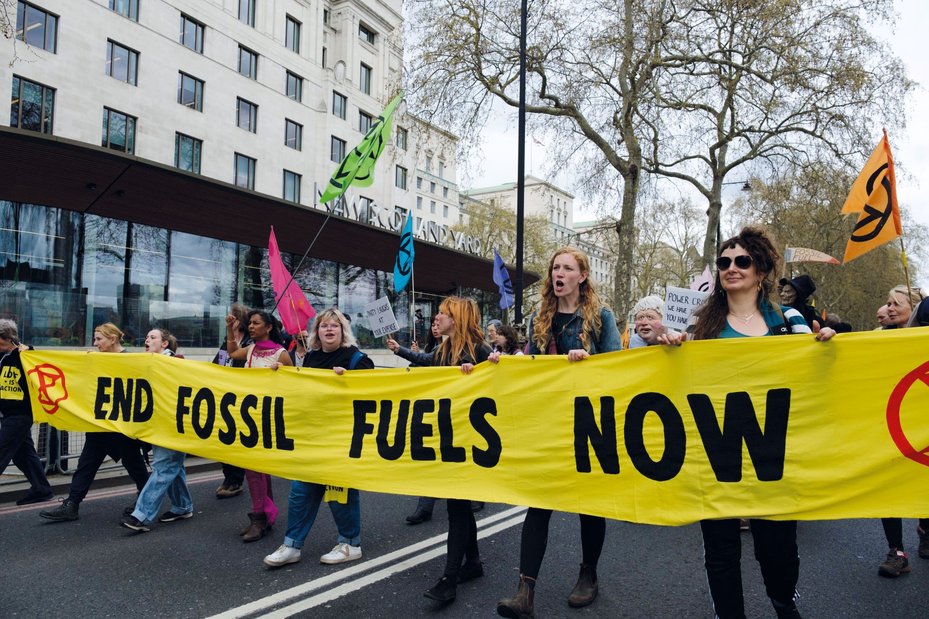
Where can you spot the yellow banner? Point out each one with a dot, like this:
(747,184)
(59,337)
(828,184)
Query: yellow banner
(775,427)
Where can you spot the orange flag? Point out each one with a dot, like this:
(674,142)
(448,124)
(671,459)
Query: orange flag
(874,195)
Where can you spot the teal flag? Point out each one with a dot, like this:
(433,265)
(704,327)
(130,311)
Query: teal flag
(358,166)
(403,265)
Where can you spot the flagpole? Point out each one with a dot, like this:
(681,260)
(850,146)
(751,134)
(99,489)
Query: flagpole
(413,301)
(906,271)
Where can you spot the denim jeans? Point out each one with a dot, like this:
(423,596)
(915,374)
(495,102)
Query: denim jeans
(16,446)
(303,505)
(168,478)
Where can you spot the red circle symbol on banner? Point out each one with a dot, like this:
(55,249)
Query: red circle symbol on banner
(894,423)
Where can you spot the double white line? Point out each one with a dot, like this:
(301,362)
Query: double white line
(395,562)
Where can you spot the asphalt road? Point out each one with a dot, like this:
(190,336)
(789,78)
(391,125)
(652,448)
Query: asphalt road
(200,568)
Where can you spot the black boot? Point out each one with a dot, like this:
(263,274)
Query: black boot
(443,591)
(419,516)
(586,589)
(64,512)
(521,605)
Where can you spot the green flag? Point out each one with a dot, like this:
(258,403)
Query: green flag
(358,165)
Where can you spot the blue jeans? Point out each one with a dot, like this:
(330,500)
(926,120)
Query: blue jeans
(168,478)
(303,505)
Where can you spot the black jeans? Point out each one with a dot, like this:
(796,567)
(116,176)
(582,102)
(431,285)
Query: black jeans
(16,446)
(775,550)
(97,446)
(893,530)
(462,536)
(534,540)
(233,475)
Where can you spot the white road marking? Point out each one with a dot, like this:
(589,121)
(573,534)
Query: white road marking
(404,560)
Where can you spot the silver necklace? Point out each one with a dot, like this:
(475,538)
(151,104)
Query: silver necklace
(744,319)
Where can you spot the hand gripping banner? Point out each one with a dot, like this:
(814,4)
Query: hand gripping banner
(778,427)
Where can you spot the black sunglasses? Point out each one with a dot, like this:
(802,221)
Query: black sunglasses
(741,262)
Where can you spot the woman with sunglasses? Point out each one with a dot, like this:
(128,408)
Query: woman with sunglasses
(741,306)
(570,321)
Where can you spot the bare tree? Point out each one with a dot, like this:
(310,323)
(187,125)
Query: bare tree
(769,81)
(7,18)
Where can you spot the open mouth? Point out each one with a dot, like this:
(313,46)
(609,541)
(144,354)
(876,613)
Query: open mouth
(559,285)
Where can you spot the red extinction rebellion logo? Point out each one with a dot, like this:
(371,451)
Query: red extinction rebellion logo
(919,377)
(52,389)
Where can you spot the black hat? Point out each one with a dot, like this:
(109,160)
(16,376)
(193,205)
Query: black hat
(803,284)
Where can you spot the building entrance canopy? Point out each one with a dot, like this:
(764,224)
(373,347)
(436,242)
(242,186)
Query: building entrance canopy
(70,175)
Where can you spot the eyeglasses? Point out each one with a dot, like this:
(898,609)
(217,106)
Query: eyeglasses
(741,262)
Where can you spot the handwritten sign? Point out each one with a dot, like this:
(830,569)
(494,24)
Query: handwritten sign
(679,306)
(381,317)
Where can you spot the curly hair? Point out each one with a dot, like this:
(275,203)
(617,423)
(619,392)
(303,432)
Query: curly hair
(467,335)
(589,302)
(711,315)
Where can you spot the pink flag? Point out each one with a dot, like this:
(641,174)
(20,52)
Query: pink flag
(292,306)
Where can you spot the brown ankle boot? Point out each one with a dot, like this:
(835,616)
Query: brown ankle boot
(256,530)
(520,606)
(586,589)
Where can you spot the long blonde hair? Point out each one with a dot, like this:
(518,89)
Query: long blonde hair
(589,305)
(467,335)
(333,313)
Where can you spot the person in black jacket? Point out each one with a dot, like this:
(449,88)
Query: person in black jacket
(795,293)
(16,417)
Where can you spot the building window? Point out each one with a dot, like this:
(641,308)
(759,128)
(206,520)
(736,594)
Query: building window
(248,63)
(327,16)
(293,134)
(247,12)
(187,153)
(366,34)
(192,33)
(325,55)
(432,206)
(364,121)
(294,86)
(126,8)
(32,106)
(441,169)
(122,63)
(244,171)
(364,81)
(292,35)
(419,182)
(337,150)
(400,177)
(402,136)
(118,131)
(292,186)
(36,27)
(444,192)
(445,210)
(190,91)
(339,104)
(429,163)
(419,202)
(246,115)
(431,186)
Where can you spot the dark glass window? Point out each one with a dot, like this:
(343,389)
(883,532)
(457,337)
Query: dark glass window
(122,63)
(400,177)
(192,33)
(246,115)
(324,58)
(187,152)
(32,105)
(293,134)
(190,91)
(364,121)
(339,105)
(247,12)
(337,150)
(118,131)
(402,137)
(126,8)
(366,34)
(36,26)
(364,81)
(292,35)
(294,86)
(244,171)
(292,186)
(248,63)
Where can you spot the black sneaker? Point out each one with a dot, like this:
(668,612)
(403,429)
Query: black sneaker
(444,591)
(173,516)
(64,512)
(36,497)
(131,522)
(896,563)
(787,611)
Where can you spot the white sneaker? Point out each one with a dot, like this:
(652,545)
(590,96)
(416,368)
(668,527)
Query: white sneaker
(283,556)
(341,553)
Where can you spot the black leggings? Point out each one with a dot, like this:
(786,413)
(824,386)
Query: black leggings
(462,536)
(535,540)
(97,445)
(893,530)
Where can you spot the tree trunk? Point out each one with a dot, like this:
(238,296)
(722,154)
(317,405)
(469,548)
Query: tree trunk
(625,265)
